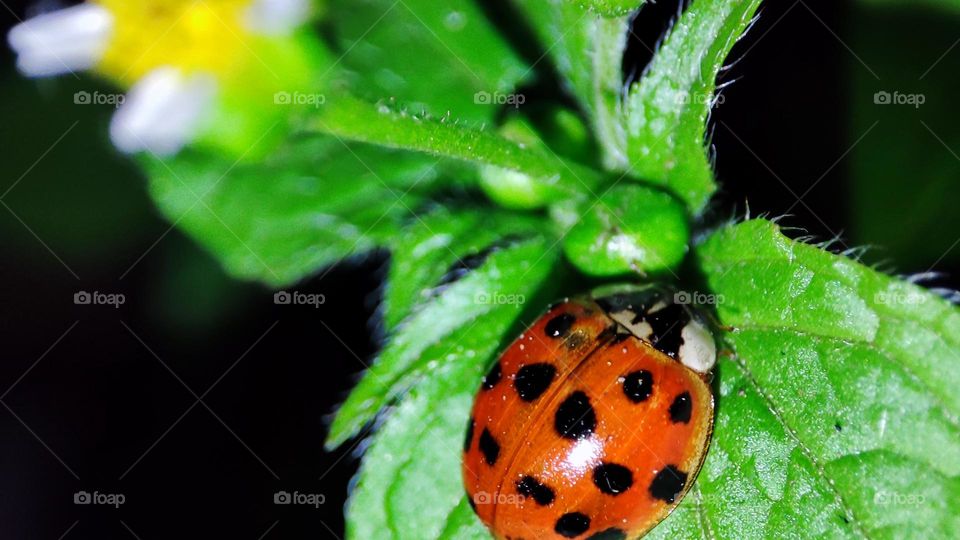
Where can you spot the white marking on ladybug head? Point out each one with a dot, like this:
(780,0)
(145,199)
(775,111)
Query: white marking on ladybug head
(641,329)
(698,351)
(657,307)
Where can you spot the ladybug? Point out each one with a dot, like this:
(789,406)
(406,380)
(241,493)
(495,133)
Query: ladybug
(594,423)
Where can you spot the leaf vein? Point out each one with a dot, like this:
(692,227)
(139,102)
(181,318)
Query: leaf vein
(938,401)
(801,445)
(705,528)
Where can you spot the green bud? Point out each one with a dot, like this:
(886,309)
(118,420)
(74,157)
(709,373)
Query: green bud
(514,189)
(551,131)
(631,229)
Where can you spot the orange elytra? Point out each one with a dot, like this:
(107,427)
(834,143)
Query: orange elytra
(594,423)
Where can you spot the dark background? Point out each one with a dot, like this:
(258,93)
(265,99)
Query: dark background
(102,399)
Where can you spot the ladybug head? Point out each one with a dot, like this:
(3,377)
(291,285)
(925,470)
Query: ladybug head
(665,318)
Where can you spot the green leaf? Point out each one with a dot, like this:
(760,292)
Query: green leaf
(502,284)
(312,204)
(410,485)
(588,52)
(607,8)
(444,244)
(463,524)
(667,110)
(756,481)
(836,411)
(783,284)
(429,56)
(346,117)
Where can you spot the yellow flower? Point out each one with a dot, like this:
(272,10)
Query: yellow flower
(188,64)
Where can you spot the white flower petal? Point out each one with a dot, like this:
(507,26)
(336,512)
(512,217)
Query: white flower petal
(274,17)
(163,112)
(62,41)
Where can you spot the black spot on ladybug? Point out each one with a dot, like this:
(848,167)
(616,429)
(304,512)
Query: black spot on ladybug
(469,438)
(681,408)
(612,533)
(572,525)
(575,418)
(612,479)
(668,483)
(559,325)
(638,385)
(533,380)
(493,377)
(667,324)
(489,447)
(528,486)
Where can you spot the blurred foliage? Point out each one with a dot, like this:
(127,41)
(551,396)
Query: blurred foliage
(62,177)
(314,202)
(89,206)
(942,4)
(905,172)
(430,58)
(190,295)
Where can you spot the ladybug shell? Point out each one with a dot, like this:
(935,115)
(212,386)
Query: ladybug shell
(584,430)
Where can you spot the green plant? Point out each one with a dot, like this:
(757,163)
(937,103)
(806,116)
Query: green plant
(831,369)
(837,411)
